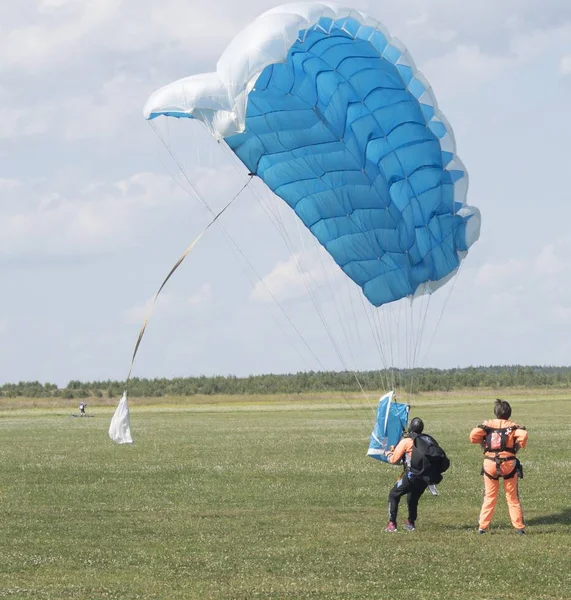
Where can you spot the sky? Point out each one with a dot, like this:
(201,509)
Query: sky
(96,204)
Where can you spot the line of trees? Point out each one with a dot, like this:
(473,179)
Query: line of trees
(415,380)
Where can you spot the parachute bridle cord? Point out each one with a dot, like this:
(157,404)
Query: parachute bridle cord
(173,269)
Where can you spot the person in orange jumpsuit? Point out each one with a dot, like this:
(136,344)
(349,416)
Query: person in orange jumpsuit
(408,484)
(500,439)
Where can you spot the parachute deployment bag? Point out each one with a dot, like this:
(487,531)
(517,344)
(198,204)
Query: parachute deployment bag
(428,460)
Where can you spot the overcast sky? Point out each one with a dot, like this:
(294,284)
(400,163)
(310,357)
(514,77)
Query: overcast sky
(94,209)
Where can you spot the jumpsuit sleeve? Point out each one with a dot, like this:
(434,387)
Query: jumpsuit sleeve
(520,436)
(477,435)
(402,447)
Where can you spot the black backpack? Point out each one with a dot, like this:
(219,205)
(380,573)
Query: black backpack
(428,460)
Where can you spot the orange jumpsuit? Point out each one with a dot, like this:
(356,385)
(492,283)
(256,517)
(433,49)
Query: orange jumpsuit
(516,439)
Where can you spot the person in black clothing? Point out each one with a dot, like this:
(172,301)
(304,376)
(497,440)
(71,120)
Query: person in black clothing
(408,484)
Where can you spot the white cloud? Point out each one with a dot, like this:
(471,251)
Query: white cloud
(562,314)
(469,64)
(418,22)
(565,65)
(171,304)
(500,274)
(46,5)
(140,312)
(35,45)
(536,290)
(553,259)
(474,64)
(202,296)
(61,31)
(300,275)
(81,114)
(9,184)
(97,219)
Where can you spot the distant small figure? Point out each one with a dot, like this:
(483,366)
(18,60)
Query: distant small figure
(82,409)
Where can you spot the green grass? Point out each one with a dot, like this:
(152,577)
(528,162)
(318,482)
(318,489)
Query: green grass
(274,498)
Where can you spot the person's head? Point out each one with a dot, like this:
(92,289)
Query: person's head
(502,409)
(416,426)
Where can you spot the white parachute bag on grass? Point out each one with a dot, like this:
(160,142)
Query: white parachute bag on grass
(120,428)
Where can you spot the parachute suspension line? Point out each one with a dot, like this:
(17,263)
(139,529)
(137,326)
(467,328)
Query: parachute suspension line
(313,107)
(353,335)
(391,317)
(173,177)
(410,342)
(420,337)
(337,301)
(387,330)
(402,307)
(417,330)
(181,168)
(376,333)
(447,299)
(289,245)
(233,245)
(228,239)
(341,320)
(277,221)
(356,329)
(278,304)
(414,306)
(173,269)
(377,330)
(384,327)
(392,329)
(237,249)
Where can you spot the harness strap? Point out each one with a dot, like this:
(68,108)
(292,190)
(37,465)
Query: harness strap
(504,432)
(499,460)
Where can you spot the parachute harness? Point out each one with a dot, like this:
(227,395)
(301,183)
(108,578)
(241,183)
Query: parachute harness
(496,441)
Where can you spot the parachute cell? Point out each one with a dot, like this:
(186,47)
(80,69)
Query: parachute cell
(331,113)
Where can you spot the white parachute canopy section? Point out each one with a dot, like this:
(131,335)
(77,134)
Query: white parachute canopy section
(120,428)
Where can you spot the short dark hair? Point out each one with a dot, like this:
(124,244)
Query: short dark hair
(416,426)
(502,409)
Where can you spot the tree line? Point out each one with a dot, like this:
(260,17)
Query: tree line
(415,380)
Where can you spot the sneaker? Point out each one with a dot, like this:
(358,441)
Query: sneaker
(482,531)
(391,527)
(409,525)
(520,531)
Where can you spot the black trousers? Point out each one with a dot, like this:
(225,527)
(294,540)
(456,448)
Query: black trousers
(413,487)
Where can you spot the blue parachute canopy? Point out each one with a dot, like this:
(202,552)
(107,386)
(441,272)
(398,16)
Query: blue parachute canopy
(392,418)
(330,112)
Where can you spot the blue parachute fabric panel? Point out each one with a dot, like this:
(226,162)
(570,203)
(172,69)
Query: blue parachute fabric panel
(388,428)
(338,132)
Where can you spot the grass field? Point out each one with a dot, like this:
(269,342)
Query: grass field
(246,498)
